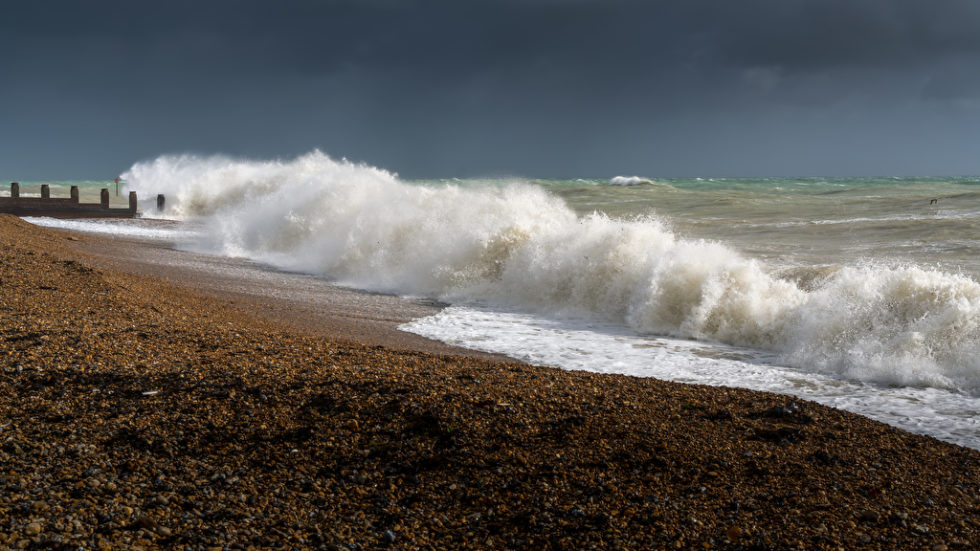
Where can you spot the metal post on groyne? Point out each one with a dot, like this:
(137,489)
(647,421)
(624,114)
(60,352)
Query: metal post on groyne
(60,207)
(161,202)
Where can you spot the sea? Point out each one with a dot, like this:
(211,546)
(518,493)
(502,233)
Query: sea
(859,293)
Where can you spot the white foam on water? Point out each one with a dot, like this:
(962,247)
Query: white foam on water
(122,227)
(942,215)
(629,181)
(519,249)
(584,345)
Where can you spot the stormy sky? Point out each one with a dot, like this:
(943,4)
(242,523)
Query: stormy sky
(535,88)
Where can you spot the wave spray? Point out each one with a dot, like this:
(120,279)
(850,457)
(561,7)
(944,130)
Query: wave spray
(515,246)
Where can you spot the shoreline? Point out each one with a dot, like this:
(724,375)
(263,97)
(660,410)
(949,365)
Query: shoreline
(312,304)
(138,412)
(303,302)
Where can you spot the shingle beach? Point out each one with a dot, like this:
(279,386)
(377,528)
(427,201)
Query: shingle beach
(136,413)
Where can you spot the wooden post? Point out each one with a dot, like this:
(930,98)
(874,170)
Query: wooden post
(161,201)
(14,190)
(74,194)
(132,202)
(45,191)
(105,198)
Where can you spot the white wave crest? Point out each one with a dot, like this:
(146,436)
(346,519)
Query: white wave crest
(629,181)
(520,247)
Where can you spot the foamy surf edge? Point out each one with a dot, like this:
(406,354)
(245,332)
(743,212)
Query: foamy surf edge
(517,247)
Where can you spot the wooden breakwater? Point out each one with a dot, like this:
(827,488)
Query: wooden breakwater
(61,207)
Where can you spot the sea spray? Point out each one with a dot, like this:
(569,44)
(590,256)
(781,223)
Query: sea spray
(515,246)
(901,326)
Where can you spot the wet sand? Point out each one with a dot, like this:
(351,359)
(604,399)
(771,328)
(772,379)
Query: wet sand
(136,413)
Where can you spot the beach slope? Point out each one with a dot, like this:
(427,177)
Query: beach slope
(138,414)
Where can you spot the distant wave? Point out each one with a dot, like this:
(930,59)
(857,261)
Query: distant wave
(520,247)
(629,181)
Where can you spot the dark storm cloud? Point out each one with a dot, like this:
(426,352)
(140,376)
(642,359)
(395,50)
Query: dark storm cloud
(449,38)
(540,87)
(808,35)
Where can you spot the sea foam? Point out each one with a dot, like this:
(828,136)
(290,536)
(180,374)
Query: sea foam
(518,247)
(629,181)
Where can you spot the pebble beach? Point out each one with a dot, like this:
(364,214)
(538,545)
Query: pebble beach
(136,413)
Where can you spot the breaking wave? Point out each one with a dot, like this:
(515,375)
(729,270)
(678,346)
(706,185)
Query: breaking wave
(629,181)
(520,247)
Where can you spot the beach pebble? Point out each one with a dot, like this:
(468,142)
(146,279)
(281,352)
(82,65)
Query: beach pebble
(867,516)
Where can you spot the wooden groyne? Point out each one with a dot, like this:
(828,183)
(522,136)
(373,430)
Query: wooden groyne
(60,207)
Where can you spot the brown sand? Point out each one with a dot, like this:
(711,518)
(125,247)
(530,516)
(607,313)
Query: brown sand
(138,414)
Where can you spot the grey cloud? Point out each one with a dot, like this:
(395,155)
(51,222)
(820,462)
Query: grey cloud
(535,86)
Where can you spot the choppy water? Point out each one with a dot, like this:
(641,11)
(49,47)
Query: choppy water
(859,293)
(810,221)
